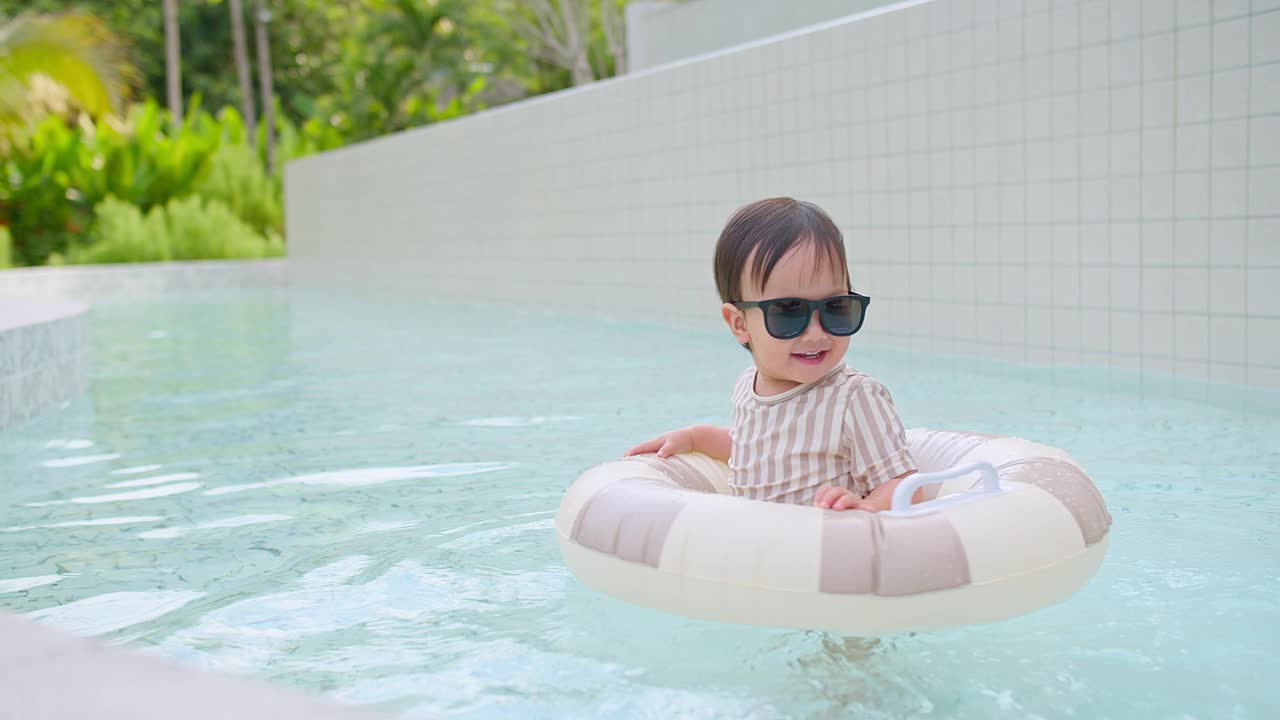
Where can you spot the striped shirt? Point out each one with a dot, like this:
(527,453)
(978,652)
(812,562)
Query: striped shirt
(841,430)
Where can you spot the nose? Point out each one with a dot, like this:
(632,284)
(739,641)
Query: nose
(814,330)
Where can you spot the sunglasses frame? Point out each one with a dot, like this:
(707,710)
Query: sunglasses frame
(814,306)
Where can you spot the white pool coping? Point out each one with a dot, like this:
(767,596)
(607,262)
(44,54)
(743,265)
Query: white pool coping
(43,356)
(46,674)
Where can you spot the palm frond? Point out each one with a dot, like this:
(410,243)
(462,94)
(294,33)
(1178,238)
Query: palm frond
(74,50)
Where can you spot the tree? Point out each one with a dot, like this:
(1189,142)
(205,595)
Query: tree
(260,20)
(75,51)
(569,33)
(172,60)
(242,68)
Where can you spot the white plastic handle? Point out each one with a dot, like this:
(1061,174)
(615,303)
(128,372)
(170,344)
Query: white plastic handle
(902,494)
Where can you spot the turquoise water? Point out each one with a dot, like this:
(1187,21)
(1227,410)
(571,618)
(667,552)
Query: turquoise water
(355,497)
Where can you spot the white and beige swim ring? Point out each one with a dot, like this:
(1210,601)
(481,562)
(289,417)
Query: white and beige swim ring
(1008,526)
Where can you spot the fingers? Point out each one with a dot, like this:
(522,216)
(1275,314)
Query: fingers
(847,501)
(666,450)
(647,446)
(825,496)
(831,497)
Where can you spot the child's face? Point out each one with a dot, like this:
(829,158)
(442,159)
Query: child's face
(784,364)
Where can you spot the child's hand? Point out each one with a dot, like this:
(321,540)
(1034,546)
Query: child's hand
(832,497)
(666,444)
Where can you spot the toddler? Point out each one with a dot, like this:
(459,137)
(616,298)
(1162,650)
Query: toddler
(807,429)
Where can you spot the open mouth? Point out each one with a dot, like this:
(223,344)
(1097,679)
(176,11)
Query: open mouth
(812,358)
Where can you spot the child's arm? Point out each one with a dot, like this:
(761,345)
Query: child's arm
(709,440)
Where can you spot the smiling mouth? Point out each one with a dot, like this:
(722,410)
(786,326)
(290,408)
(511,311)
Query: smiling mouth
(813,357)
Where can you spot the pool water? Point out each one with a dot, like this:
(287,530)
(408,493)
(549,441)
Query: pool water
(354,495)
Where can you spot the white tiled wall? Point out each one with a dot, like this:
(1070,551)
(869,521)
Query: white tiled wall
(1087,182)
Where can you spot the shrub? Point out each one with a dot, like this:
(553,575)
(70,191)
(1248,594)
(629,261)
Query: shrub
(191,228)
(237,178)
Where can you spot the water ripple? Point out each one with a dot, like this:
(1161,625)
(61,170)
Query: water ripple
(79,460)
(506,422)
(88,523)
(369,476)
(107,613)
(162,491)
(26,583)
(155,480)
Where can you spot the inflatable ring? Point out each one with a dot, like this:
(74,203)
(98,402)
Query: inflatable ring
(1008,526)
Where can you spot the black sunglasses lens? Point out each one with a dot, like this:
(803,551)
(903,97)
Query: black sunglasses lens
(841,315)
(786,319)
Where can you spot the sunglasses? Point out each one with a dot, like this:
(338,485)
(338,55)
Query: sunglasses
(787,318)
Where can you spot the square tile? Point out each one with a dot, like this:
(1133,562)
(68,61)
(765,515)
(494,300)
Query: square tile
(1264,342)
(1157,289)
(1227,241)
(1263,242)
(1194,99)
(1193,50)
(1157,104)
(1193,12)
(1226,291)
(1191,337)
(1157,197)
(1126,19)
(1157,150)
(1231,44)
(1263,292)
(1125,332)
(1126,109)
(1264,141)
(1231,93)
(1157,15)
(1126,153)
(1191,290)
(1230,8)
(1157,335)
(1230,143)
(1264,89)
(1230,193)
(1191,243)
(1264,191)
(1226,339)
(1265,38)
(1192,151)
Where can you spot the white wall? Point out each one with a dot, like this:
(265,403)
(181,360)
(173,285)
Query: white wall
(660,31)
(1077,182)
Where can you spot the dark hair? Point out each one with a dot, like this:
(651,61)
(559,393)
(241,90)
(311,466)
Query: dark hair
(770,229)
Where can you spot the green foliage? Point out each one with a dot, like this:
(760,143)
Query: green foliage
(237,179)
(124,234)
(6,242)
(191,228)
(51,179)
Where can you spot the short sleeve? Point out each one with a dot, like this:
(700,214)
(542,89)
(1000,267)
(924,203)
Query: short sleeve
(874,436)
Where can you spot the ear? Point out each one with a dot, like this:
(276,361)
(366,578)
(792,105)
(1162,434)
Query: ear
(737,323)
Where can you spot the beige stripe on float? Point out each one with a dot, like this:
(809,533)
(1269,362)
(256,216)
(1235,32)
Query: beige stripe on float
(920,553)
(1070,485)
(629,519)
(869,553)
(848,553)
